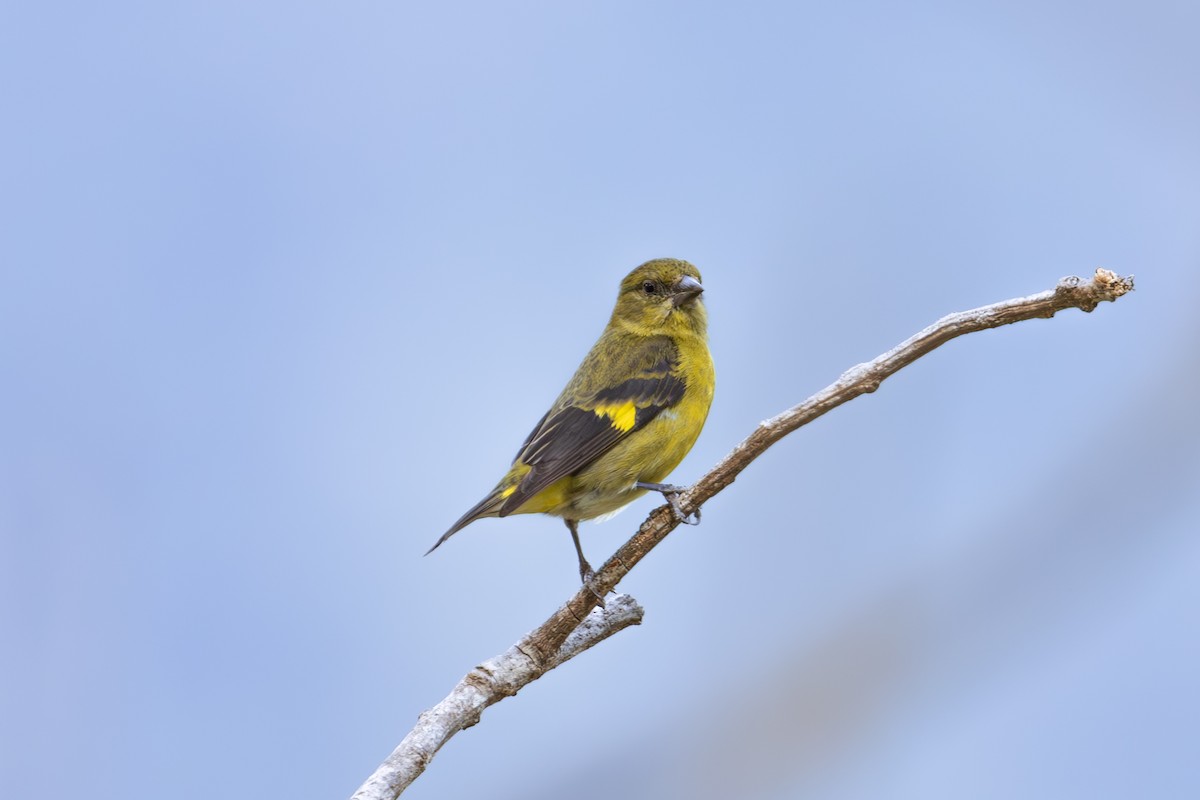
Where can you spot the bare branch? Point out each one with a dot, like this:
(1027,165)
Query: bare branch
(578,625)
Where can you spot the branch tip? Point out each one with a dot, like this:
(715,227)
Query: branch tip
(1112,284)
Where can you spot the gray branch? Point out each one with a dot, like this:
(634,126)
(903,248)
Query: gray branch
(490,682)
(579,624)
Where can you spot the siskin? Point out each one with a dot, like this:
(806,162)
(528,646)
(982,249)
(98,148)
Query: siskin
(628,416)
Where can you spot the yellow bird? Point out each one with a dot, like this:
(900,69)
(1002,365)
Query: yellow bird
(628,416)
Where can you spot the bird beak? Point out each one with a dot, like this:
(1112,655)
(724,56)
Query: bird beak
(685,290)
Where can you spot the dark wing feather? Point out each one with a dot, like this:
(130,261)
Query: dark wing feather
(571,436)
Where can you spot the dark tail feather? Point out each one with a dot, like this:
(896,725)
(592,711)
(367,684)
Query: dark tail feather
(487,507)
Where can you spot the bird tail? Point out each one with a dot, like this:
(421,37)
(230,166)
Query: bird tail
(487,507)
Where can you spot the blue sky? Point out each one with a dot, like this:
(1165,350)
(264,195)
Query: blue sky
(283,287)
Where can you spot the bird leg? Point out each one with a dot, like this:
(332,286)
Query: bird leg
(586,573)
(671,494)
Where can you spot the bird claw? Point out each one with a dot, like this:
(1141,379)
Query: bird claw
(586,575)
(686,519)
(671,493)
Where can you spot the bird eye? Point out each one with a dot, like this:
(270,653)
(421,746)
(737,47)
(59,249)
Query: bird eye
(649,288)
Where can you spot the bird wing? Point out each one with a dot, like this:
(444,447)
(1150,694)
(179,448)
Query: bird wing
(587,422)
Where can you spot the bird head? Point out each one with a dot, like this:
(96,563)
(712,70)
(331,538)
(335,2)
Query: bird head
(662,297)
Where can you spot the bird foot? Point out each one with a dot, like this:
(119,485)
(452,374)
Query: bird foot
(671,494)
(586,574)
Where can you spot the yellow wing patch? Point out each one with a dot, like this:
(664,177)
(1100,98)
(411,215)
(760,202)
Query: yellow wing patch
(622,416)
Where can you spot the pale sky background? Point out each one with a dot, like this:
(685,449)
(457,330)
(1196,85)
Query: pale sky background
(283,286)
